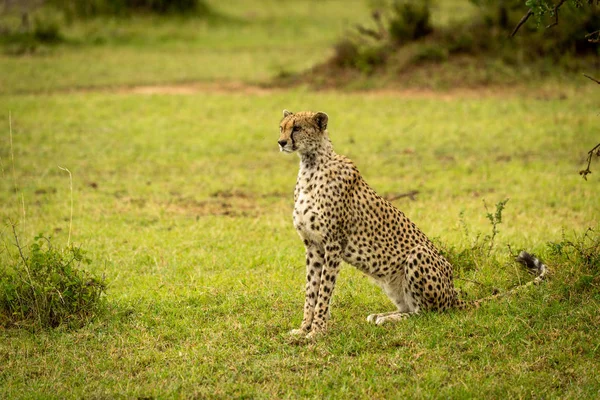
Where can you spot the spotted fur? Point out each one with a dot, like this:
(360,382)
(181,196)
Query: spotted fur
(340,218)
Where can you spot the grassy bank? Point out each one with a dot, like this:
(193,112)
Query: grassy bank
(184,205)
(183,202)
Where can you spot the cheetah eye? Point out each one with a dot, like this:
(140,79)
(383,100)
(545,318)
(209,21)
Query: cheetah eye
(280,128)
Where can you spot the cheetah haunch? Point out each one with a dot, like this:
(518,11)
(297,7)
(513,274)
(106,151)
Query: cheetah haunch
(340,218)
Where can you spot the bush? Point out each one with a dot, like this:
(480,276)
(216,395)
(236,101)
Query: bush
(41,27)
(48,288)
(410,20)
(46,28)
(363,58)
(583,250)
(430,53)
(487,34)
(93,8)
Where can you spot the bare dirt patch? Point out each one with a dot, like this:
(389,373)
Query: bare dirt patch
(336,83)
(234,206)
(191,88)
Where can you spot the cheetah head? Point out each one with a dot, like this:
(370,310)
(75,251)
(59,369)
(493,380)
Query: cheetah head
(303,131)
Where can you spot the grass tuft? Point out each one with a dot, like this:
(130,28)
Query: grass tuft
(47,287)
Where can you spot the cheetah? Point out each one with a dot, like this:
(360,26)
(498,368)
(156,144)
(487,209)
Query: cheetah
(340,218)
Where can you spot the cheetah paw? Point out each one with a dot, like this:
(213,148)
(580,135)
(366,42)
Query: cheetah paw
(376,319)
(314,334)
(298,332)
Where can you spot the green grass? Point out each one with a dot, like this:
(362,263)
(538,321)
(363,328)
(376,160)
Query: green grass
(187,213)
(184,203)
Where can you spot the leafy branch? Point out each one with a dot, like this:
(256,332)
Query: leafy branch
(585,172)
(540,8)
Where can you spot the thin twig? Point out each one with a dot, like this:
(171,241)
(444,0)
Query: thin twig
(593,79)
(12,160)
(71,217)
(591,39)
(14,229)
(380,34)
(12,153)
(555,13)
(16,236)
(411,194)
(522,22)
(368,32)
(584,172)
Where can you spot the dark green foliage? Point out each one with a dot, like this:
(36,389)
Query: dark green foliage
(41,28)
(584,250)
(575,262)
(480,251)
(48,288)
(346,53)
(93,8)
(487,34)
(430,53)
(46,29)
(545,39)
(349,53)
(410,20)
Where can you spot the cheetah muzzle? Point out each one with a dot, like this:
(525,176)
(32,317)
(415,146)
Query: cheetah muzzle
(340,218)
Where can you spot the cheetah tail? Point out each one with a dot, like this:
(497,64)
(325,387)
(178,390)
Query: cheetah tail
(533,265)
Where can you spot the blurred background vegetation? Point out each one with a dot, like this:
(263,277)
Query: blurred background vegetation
(27,24)
(402,36)
(394,40)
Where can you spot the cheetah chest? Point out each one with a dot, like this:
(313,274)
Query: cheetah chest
(307,213)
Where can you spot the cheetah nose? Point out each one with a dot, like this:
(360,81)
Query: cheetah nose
(282,143)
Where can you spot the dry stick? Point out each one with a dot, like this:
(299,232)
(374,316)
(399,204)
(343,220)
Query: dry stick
(411,195)
(37,305)
(12,154)
(12,160)
(521,22)
(555,12)
(591,39)
(71,217)
(584,173)
(530,13)
(593,79)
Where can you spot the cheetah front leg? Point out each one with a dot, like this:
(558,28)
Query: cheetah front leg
(327,281)
(315,259)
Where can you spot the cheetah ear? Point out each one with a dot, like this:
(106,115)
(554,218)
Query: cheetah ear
(286,113)
(321,120)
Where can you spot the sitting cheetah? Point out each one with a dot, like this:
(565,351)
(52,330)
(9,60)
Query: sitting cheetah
(340,218)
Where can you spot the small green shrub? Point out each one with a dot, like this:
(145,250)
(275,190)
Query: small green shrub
(480,251)
(430,53)
(576,264)
(36,29)
(363,58)
(46,29)
(370,58)
(346,53)
(410,20)
(93,8)
(48,288)
(583,250)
